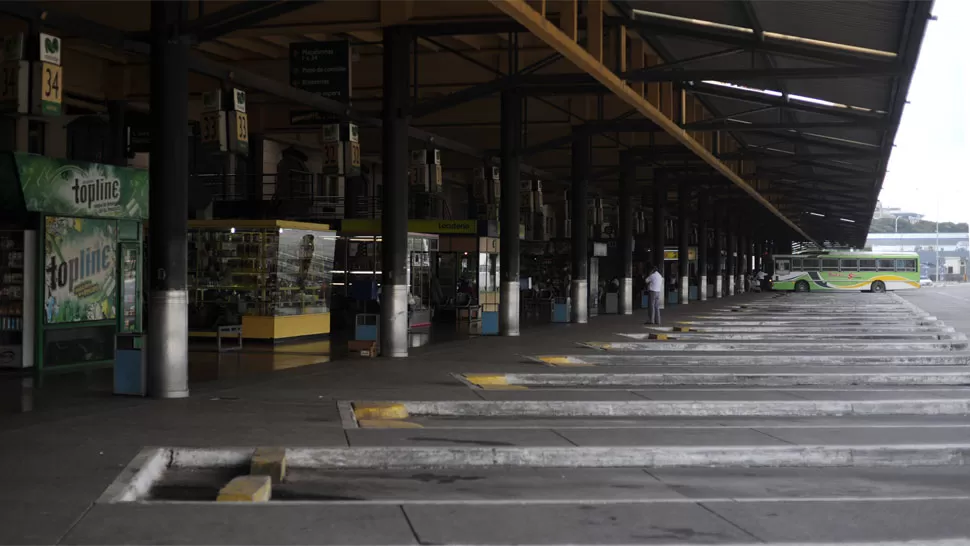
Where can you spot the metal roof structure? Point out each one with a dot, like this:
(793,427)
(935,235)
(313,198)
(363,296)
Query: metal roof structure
(812,90)
(785,110)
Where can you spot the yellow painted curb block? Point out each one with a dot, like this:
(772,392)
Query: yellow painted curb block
(682,329)
(661,337)
(599,344)
(380,411)
(246,489)
(556,360)
(487,379)
(269,461)
(504,387)
(386,423)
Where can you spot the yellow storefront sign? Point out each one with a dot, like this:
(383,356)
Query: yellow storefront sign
(674,254)
(372,226)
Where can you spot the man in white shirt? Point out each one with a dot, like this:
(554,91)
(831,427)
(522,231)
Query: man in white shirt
(759,281)
(655,287)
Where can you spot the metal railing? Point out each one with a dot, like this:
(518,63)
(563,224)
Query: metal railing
(299,195)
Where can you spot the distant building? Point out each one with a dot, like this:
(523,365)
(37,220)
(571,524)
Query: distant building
(954,250)
(886,212)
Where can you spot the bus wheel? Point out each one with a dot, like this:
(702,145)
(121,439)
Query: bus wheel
(878,287)
(801,286)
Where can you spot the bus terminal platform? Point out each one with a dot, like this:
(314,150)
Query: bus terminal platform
(579,434)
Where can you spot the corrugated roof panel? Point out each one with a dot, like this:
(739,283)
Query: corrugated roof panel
(873,93)
(874,24)
(718,11)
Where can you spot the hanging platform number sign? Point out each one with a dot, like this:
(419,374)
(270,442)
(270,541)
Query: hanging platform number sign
(239,124)
(331,149)
(212,125)
(15,74)
(353,150)
(48,77)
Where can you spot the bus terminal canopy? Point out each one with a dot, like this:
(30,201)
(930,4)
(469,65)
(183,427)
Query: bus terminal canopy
(784,111)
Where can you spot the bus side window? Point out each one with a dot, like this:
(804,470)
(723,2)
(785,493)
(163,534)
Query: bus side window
(886,265)
(781,266)
(867,265)
(796,264)
(810,264)
(849,265)
(905,265)
(830,264)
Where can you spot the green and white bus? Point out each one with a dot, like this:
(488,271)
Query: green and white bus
(842,270)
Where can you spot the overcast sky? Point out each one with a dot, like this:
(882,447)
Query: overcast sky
(928,167)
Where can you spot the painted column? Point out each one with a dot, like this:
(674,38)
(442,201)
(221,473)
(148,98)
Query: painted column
(511,131)
(394,218)
(683,242)
(703,209)
(167,328)
(731,265)
(579,290)
(628,179)
(718,251)
(742,260)
(659,231)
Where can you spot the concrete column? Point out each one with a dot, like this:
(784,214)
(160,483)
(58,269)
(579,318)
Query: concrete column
(718,250)
(703,209)
(742,260)
(759,251)
(683,240)
(628,179)
(660,228)
(168,335)
(579,289)
(731,265)
(394,218)
(509,214)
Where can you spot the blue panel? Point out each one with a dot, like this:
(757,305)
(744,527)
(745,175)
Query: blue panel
(560,312)
(672,297)
(129,372)
(365,332)
(489,323)
(644,301)
(692,294)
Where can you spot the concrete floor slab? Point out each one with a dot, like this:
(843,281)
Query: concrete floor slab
(845,521)
(551,485)
(669,437)
(132,523)
(543,394)
(454,438)
(816,483)
(724,394)
(571,524)
(871,436)
(647,423)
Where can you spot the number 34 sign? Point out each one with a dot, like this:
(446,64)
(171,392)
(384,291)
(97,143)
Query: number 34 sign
(47,89)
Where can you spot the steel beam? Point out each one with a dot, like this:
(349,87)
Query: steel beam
(738,125)
(757,152)
(754,97)
(685,30)
(242,15)
(857,71)
(573,52)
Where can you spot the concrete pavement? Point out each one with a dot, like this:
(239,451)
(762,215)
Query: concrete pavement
(610,470)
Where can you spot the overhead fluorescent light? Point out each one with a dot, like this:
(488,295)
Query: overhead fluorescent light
(817,214)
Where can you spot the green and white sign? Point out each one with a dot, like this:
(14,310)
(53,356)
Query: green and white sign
(77,188)
(80,276)
(50,49)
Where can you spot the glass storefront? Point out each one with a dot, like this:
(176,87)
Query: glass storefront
(240,270)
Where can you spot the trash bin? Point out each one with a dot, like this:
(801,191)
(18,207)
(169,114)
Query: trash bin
(130,368)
